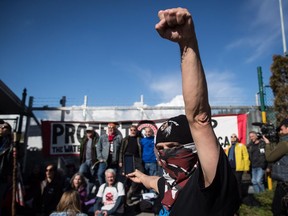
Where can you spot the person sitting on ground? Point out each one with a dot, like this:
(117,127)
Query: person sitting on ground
(51,190)
(197,178)
(110,196)
(69,205)
(78,183)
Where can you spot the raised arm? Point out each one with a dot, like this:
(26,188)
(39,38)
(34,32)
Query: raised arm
(177,25)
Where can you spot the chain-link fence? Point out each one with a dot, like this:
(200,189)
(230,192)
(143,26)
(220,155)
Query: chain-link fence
(269,102)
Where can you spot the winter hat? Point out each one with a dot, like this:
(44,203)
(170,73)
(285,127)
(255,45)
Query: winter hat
(175,129)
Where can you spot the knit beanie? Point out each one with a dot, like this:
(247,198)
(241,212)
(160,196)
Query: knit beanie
(175,129)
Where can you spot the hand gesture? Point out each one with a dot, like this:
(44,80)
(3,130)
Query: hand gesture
(135,176)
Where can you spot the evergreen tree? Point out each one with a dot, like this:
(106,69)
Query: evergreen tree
(279,85)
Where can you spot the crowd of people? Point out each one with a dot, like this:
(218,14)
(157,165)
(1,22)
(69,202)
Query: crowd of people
(81,190)
(183,164)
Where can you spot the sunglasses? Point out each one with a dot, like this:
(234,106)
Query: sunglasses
(4,126)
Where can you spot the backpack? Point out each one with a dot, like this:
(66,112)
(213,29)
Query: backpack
(280,169)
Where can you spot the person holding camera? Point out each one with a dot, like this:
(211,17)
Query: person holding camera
(279,157)
(258,161)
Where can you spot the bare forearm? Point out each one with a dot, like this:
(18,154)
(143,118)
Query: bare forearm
(150,182)
(198,111)
(194,84)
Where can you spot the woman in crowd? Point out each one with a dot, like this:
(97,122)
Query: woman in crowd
(69,205)
(78,183)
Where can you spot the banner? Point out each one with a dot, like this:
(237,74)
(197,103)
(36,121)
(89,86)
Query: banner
(225,125)
(64,138)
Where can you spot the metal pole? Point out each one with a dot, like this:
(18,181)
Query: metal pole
(17,138)
(63,104)
(263,113)
(283,29)
(261,94)
(26,133)
(84,113)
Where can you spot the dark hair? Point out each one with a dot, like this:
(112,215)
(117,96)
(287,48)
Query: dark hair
(54,167)
(134,126)
(8,125)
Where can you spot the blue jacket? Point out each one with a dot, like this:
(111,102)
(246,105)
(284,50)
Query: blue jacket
(148,155)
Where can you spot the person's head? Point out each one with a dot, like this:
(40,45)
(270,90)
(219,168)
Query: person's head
(112,127)
(51,171)
(69,202)
(90,132)
(283,127)
(253,137)
(148,132)
(175,148)
(78,180)
(133,131)
(5,129)
(234,138)
(110,175)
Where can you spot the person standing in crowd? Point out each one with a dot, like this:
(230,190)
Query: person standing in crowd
(79,184)
(6,151)
(148,154)
(50,193)
(131,146)
(279,155)
(258,161)
(197,176)
(69,205)
(110,196)
(6,164)
(108,148)
(88,155)
(238,157)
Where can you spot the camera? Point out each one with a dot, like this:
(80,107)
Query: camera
(268,130)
